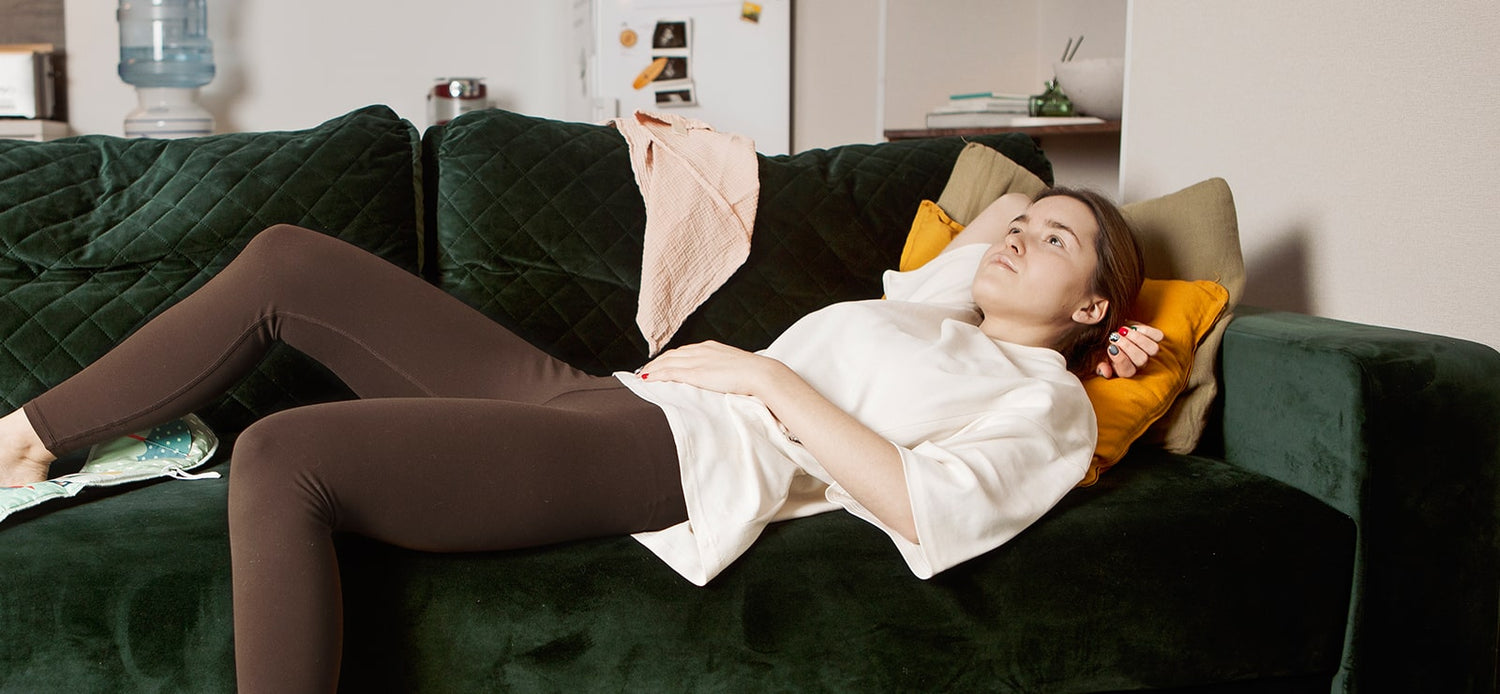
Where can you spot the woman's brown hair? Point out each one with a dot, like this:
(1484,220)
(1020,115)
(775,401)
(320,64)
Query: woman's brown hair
(1118,278)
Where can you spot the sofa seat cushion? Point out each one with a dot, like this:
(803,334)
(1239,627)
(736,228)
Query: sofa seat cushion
(124,590)
(540,225)
(1172,571)
(98,234)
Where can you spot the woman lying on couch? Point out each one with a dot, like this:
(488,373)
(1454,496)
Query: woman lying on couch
(949,416)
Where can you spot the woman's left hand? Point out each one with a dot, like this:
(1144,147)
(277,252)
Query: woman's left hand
(1129,349)
(713,366)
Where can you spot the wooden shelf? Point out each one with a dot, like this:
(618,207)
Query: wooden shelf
(1109,126)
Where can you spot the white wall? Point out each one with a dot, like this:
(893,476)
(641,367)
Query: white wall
(836,91)
(285,64)
(1360,140)
(940,47)
(1101,23)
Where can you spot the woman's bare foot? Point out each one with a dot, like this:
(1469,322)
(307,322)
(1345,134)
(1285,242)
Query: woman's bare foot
(23,457)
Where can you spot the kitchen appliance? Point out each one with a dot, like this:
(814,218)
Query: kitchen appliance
(30,80)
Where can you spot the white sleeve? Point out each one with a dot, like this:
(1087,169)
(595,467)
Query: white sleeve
(975,490)
(946,279)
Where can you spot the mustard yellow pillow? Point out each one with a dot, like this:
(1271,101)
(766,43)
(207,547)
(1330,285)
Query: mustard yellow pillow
(931,230)
(1185,311)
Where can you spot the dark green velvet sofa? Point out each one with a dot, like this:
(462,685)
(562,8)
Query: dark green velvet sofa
(1337,531)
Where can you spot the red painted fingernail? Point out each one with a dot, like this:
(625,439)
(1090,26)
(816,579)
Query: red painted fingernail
(645,376)
(1124,331)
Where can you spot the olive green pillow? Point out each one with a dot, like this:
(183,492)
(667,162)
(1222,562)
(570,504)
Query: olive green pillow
(1192,234)
(979,177)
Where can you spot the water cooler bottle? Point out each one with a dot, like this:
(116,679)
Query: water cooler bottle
(166,54)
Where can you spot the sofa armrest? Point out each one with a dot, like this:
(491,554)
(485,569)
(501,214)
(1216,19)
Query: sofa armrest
(1401,431)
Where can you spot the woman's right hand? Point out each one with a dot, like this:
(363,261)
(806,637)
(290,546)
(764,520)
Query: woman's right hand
(715,366)
(1129,349)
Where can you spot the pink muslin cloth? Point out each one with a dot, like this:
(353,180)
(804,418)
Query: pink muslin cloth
(701,188)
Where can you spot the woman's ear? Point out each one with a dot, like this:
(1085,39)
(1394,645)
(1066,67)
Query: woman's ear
(1093,312)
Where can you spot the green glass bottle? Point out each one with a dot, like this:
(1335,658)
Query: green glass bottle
(1052,102)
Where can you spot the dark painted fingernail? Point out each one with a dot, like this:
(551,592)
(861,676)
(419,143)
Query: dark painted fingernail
(1112,350)
(1114,338)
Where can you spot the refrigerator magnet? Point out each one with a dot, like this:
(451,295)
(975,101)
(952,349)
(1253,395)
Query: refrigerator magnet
(649,74)
(671,98)
(672,34)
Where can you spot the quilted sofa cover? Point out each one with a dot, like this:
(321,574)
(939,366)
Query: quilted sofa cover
(539,224)
(98,234)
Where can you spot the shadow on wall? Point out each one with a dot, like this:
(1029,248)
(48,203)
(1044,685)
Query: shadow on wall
(1278,275)
(220,95)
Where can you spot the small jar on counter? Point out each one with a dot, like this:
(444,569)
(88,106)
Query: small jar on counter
(451,97)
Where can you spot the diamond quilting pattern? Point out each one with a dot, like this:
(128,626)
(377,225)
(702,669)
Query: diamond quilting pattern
(97,234)
(540,225)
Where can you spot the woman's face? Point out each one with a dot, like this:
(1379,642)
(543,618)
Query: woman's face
(1039,274)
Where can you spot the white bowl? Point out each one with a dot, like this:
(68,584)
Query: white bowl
(1095,85)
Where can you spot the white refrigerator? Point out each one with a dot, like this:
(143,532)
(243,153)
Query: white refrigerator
(727,63)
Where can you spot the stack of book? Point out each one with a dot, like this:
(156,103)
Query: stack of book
(992,110)
(978,110)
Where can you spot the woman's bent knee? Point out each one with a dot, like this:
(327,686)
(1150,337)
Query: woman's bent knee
(278,246)
(287,262)
(273,471)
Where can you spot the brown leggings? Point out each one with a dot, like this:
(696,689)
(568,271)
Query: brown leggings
(465,437)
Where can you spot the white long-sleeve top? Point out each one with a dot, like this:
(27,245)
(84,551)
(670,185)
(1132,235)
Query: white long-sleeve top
(991,434)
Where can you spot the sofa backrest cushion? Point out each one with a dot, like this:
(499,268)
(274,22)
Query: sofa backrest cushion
(99,233)
(539,224)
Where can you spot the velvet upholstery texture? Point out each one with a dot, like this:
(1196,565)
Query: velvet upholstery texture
(97,234)
(142,603)
(120,591)
(1401,431)
(824,604)
(539,224)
